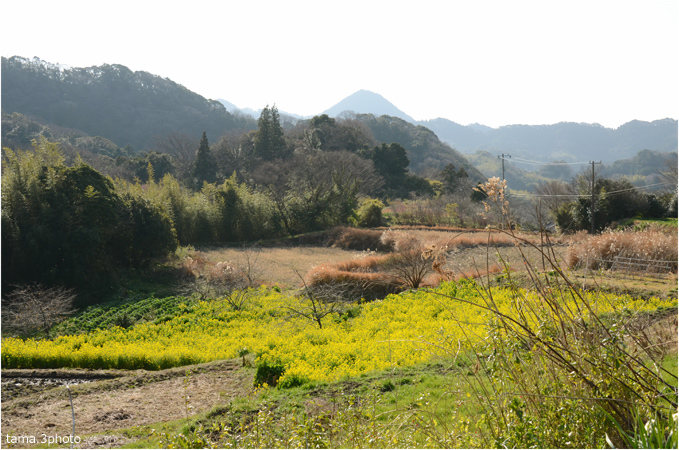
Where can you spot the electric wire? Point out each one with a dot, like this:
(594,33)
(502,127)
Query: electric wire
(511,194)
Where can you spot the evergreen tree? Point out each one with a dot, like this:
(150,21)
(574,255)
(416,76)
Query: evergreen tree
(452,179)
(449,178)
(205,166)
(269,142)
(391,163)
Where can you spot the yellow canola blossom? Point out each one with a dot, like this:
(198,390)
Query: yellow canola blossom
(401,330)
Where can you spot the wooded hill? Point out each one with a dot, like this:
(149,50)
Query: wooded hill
(643,169)
(111,101)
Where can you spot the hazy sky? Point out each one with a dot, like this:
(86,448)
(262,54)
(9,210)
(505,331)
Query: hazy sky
(491,62)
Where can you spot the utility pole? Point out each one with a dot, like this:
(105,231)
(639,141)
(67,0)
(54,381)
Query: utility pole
(591,209)
(502,157)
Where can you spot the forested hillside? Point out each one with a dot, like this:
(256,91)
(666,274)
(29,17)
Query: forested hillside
(128,108)
(426,152)
(646,168)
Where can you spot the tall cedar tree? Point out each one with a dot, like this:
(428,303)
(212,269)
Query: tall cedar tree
(452,179)
(391,162)
(269,142)
(205,166)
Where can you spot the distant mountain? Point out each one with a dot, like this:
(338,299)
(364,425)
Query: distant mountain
(230,107)
(366,102)
(566,141)
(128,108)
(562,141)
(287,119)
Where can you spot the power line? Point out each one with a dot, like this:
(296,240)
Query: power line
(541,163)
(614,163)
(588,195)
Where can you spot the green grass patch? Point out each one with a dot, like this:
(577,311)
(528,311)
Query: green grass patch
(124,313)
(421,407)
(640,224)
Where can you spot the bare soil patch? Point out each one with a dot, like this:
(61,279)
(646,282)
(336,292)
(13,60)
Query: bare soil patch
(103,405)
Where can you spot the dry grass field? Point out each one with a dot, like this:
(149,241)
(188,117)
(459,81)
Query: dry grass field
(280,266)
(470,254)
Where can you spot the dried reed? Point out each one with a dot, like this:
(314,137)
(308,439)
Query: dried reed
(599,251)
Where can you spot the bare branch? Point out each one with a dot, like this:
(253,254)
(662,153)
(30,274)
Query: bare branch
(32,308)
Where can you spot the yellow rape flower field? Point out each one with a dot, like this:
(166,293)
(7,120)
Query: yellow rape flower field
(401,330)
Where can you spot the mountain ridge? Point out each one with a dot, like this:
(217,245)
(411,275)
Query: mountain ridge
(569,141)
(139,112)
(112,101)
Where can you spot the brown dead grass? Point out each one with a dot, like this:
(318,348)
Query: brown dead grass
(649,245)
(367,264)
(357,239)
(281,265)
(369,285)
(374,275)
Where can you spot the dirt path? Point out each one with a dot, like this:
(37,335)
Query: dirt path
(103,405)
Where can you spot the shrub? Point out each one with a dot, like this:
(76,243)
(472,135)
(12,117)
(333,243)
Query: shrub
(291,381)
(268,373)
(411,262)
(357,239)
(369,214)
(29,309)
(224,280)
(387,386)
